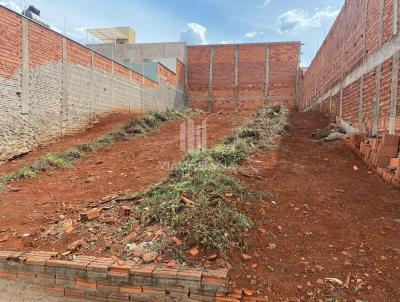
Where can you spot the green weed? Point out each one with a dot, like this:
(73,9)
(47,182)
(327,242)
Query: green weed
(62,160)
(195,201)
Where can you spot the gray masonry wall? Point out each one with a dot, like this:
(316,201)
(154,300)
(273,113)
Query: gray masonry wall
(50,86)
(136,53)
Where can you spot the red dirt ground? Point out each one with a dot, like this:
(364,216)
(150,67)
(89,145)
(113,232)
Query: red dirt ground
(125,167)
(327,221)
(102,126)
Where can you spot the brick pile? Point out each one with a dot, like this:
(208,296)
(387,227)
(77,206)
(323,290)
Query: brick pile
(380,154)
(107,279)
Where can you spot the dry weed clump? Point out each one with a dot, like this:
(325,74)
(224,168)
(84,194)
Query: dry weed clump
(196,203)
(65,159)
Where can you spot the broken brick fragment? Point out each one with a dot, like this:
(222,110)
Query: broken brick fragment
(91,214)
(124,211)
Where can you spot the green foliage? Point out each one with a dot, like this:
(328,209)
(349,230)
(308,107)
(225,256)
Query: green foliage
(210,217)
(56,160)
(25,173)
(62,160)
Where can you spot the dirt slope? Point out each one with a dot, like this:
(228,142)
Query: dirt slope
(95,130)
(327,220)
(127,166)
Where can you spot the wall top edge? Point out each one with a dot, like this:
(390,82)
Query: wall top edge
(245,44)
(69,39)
(138,44)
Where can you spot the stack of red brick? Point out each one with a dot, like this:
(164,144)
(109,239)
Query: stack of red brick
(380,154)
(107,279)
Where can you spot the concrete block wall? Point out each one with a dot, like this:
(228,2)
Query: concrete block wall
(242,76)
(50,85)
(138,52)
(355,75)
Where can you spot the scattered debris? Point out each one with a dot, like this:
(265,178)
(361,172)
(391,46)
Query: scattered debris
(124,211)
(68,226)
(3,238)
(149,257)
(330,133)
(91,214)
(334,281)
(76,245)
(212,257)
(193,251)
(186,200)
(334,136)
(176,240)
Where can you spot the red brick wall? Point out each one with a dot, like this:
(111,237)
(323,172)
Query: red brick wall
(50,85)
(44,46)
(284,61)
(223,72)
(167,75)
(78,55)
(198,71)
(102,63)
(368,96)
(359,32)
(251,66)
(10,39)
(180,73)
(385,95)
(350,108)
(121,70)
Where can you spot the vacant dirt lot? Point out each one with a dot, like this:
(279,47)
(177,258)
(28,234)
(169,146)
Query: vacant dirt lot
(95,130)
(327,220)
(125,167)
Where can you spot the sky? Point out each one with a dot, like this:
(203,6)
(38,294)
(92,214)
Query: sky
(195,21)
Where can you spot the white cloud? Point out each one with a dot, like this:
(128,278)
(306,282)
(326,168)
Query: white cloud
(265,3)
(296,20)
(11,5)
(253,34)
(250,35)
(194,34)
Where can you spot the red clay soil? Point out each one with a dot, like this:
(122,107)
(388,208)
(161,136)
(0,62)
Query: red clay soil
(125,167)
(327,220)
(94,130)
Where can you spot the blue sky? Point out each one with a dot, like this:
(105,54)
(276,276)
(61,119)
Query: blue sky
(197,22)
